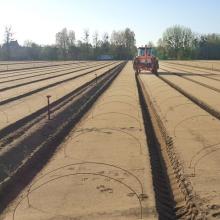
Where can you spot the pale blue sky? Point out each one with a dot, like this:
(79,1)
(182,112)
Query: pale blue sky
(39,20)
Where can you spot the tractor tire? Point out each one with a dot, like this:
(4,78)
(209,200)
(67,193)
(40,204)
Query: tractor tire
(137,71)
(157,64)
(154,71)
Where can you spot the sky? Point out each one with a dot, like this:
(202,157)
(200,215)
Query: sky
(40,20)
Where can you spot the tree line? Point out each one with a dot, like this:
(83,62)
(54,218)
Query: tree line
(179,42)
(120,45)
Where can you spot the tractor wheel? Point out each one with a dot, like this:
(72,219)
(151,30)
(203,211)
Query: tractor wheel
(137,71)
(154,71)
(157,64)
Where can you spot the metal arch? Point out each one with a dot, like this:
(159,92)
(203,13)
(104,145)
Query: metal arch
(74,174)
(125,89)
(124,96)
(106,113)
(86,162)
(113,129)
(200,151)
(105,103)
(195,116)
(131,91)
(197,162)
(176,106)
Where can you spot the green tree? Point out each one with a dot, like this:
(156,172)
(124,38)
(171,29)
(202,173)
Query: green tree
(33,50)
(209,46)
(178,41)
(161,50)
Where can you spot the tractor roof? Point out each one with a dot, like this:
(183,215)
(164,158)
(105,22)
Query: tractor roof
(144,47)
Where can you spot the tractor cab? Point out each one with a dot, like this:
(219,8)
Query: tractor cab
(145,51)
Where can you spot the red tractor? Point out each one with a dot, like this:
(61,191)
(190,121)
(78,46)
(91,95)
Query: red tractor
(145,60)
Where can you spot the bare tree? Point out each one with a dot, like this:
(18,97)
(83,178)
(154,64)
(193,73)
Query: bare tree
(105,37)
(95,39)
(62,41)
(62,38)
(86,36)
(28,43)
(8,34)
(71,38)
(8,39)
(117,38)
(123,43)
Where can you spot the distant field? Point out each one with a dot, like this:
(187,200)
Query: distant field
(28,81)
(14,65)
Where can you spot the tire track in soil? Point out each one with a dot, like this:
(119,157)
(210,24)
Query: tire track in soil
(190,207)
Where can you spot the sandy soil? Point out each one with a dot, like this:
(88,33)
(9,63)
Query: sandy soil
(102,170)
(195,133)
(12,65)
(20,108)
(208,77)
(29,87)
(204,94)
(34,70)
(207,64)
(14,79)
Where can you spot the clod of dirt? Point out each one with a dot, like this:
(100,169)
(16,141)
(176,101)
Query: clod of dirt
(143,196)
